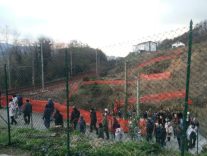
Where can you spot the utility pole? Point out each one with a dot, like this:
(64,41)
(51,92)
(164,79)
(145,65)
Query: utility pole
(67,101)
(96,64)
(126,96)
(33,67)
(42,62)
(8,58)
(138,85)
(9,69)
(71,62)
(184,139)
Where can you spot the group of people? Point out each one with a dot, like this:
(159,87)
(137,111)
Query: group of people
(164,125)
(16,107)
(51,113)
(161,126)
(102,130)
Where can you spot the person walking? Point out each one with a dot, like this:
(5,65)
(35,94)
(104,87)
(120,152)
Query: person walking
(15,103)
(169,129)
(51,105)
(82,125)
(58,118)
(93,120)
(119,133)
(27,112)
(75,117)
(150,129)
(46,116)
(115,126)
(105,125)
(12,109)
(178,131)
(101,131)
(191,135)
(20,103)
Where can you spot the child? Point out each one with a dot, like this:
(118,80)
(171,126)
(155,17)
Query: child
(119,134)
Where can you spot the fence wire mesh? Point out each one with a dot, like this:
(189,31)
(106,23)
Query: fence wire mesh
(147,87)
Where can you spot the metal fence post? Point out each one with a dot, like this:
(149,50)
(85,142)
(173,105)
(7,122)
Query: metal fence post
(126,94)
(32,126)
(197,142)
(187,90)
(67,100)
(0,100)
(138,96)
(7,104)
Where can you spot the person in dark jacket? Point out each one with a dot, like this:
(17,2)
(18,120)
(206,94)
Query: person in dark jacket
(150,129)
(75,117)
(58,118)
(51,105)
(93,120)
(105,125)
(27,112)
(101,131)
(178,131)
(82,125)
(46,116)
(157,133)
(163,135)
(20,103)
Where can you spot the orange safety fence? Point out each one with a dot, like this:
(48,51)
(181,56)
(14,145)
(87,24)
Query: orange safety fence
(153,98)
(157,76)
(39,106)
(157,59)
(108,82)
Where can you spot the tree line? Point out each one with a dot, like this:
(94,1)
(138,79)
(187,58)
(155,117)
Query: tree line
(23,61)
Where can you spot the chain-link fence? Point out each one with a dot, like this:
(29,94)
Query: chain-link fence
(3,115)
(145,91)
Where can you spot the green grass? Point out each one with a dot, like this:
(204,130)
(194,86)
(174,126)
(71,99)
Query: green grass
(45,143)
(3,136)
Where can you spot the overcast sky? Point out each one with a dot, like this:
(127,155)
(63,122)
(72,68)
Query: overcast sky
(111,25)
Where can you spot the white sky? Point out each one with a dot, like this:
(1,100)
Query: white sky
(111,25)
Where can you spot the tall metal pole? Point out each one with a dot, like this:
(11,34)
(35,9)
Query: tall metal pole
(71,63)
(33,67)
(9,70)
(126,96)
(8,58)
(187,89)
(7,104)
(67,100)
(0,99)
(138,96)
(42,63)
(96,64)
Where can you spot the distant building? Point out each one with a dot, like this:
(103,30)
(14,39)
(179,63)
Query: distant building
(178,44)
(145,46)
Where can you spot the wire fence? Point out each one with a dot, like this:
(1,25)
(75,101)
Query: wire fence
(145,92)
